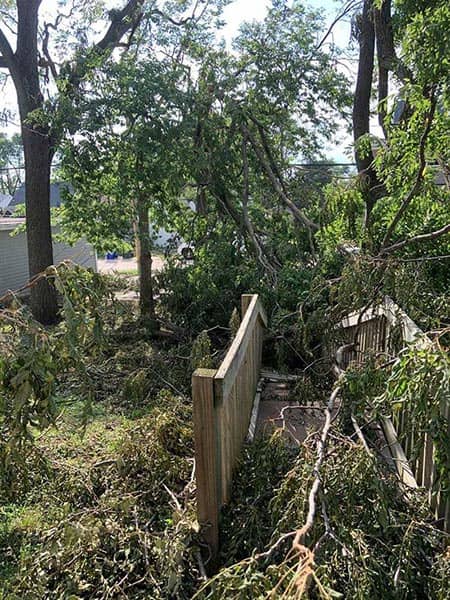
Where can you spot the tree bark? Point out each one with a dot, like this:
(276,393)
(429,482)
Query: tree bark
(38,156)
(144,256)
(361,108)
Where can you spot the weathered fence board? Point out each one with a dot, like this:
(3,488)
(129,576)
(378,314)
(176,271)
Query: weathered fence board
(413,452)
(223,402)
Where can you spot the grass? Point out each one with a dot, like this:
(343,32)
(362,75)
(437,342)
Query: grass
(128,272)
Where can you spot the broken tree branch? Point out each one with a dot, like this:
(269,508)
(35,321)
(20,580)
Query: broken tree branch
(297,544)
(423,237)
(260,253)
(419,177)
(296,212)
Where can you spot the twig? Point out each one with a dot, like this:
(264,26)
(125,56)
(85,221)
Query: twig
(352,5)
(274,546)
(172,387)
(174,498)
(104,463)
(360,434)
(408,260)
(201,566)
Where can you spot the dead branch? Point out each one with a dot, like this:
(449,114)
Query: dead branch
(297,544)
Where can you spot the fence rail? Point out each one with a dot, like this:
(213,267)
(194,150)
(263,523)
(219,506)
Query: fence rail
(223,401)
(382,329)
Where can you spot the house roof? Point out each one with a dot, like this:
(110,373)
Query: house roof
(5,200)
(55,194)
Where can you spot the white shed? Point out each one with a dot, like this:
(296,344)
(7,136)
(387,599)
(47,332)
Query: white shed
(14,272)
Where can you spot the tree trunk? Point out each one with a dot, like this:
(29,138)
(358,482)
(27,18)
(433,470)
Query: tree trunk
(39,238)
(38,156)
(361,106)
(144,256)
(385,49)
(39,146)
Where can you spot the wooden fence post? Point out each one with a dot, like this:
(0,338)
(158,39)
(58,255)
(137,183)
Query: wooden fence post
(205,437)
(245,303)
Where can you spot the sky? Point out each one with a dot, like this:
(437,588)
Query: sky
(236,13)
(248,10)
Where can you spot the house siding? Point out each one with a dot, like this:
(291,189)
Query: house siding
(13,261)
(14,272)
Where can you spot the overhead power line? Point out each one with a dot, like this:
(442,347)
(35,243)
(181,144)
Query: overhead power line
(20,168)
(350,164)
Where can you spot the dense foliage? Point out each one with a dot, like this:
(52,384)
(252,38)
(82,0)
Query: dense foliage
(97,491)
(373,542)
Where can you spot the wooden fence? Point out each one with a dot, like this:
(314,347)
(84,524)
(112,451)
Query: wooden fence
(387,328)
(223,401)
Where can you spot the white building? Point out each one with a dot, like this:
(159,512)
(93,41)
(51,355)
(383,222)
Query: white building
(14,272)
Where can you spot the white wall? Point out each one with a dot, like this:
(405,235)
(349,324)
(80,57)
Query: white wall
(14,258)
(13,261)
(160,237)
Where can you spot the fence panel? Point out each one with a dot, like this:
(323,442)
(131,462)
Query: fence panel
(223,402)
(372,331)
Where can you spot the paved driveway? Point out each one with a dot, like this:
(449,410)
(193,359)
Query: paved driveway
(127,266)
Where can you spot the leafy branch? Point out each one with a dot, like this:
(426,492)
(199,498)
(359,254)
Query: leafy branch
(419,177)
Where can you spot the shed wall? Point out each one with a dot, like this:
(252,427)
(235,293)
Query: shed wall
(14,272)
(13,261)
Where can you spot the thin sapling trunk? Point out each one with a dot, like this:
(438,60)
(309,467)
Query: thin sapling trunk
(144,259)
